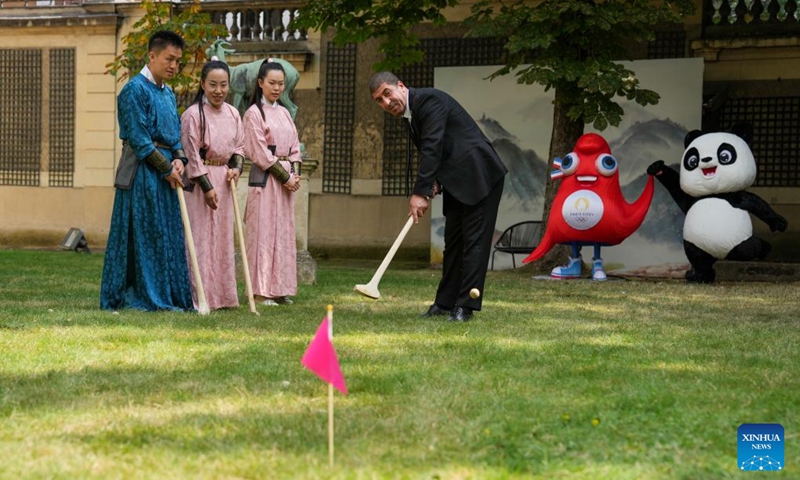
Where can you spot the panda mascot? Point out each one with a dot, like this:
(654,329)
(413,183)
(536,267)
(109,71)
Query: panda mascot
(716,168)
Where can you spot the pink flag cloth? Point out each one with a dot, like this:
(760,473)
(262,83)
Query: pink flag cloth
(320,358)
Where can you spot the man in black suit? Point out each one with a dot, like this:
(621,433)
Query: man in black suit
(457,160)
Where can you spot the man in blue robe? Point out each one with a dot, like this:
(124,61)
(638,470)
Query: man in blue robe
(145,263)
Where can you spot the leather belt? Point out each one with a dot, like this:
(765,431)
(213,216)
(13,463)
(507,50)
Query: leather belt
(157,144)
(214,163)
(283,158)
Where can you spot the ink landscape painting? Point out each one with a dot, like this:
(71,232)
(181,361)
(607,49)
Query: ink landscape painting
(517,119)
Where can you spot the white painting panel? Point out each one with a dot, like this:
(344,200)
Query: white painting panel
(517,119)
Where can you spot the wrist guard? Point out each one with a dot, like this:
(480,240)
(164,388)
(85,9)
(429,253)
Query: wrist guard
(296,167)
(179,154)
(159,162)
(204,182)
(236,161)
(279,172)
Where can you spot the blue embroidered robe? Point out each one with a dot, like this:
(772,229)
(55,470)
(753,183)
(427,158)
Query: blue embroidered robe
(145,263)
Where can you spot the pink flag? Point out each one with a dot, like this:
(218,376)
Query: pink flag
(320,358)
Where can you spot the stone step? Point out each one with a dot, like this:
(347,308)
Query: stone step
(728,271)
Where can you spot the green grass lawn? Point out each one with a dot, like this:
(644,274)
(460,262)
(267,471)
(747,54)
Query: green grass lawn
(571,379)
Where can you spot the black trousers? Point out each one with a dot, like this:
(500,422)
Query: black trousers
(468,231)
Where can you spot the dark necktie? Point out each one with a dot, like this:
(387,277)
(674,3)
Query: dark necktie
(408,154)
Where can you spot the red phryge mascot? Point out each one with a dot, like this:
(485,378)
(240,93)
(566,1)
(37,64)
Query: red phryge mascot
(589,208)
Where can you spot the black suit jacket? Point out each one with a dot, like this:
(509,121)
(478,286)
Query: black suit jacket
(452,148)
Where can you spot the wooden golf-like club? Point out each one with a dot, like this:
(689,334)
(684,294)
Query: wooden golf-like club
(202,303)
(248,286)
(371,289)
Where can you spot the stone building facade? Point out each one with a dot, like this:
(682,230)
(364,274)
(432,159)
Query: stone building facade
(69,142)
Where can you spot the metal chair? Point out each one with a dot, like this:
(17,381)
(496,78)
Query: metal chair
(522,237)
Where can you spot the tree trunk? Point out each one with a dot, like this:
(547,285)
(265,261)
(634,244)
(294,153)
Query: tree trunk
(565,134)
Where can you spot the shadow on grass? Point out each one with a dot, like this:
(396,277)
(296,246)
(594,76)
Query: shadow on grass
(517,404)
(550,377)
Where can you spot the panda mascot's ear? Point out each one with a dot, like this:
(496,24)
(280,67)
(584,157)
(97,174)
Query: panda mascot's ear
(690,137)
(743,130)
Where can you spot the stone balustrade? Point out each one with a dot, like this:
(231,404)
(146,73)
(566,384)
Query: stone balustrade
(246,20)
(751,18)
(46,3)
(255,21)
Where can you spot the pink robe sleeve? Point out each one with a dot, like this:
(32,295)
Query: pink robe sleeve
(190,138)
(294,150)
(239,133)
(256,135)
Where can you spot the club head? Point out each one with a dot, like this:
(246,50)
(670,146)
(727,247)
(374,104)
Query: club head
(368,291)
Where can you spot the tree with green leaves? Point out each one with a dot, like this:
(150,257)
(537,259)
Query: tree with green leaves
(356,21)
(570,46)
(573,47)
(194,26)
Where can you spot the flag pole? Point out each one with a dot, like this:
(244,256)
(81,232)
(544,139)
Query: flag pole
(330,393)
(320,358)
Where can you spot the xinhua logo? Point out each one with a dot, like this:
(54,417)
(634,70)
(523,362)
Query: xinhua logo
(760,447)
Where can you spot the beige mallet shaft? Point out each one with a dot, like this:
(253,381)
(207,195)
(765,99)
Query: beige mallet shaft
(371,289)
(202,303)
(248,285)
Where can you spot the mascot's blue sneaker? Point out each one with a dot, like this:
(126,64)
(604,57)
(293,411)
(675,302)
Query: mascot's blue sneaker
(597,270)
(570,270)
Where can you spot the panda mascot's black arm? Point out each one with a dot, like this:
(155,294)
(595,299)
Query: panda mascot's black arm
(671,181)
(758,207)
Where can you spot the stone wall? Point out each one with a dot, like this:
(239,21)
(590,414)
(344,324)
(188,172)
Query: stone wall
(364,219)
(42,215)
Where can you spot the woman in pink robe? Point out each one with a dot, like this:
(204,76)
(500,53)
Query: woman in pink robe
(271,143)
(213,138)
